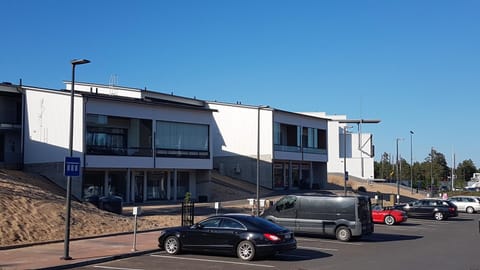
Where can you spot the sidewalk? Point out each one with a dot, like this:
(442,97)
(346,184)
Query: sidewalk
(83,252)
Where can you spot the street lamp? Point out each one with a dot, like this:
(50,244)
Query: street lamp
(258,160)
(431,171)
(398,173)
(66,255)
(345,173)
(411,161)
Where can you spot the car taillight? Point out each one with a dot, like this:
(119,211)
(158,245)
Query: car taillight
(451,209)
(271,237)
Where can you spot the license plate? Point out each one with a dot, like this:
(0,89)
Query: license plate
(288,236)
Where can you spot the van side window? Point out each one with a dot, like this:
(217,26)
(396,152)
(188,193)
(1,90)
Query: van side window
(286,203)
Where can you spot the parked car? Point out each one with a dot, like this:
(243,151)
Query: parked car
(387,215)
(341,216)
(244,235)
(429,208)
(469,204)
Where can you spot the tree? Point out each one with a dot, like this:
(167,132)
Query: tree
(383,169)
(464,172)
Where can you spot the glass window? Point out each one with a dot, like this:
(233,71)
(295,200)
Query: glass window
(182,139)
(287,202)
(210,223)
(231,224)
(112,135)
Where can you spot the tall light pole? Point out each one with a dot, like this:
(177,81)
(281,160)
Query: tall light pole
(398,173)
(345,172)
(66,255)
(257,212)
(411,161)
(431,171)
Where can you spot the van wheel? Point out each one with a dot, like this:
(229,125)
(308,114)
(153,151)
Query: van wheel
(343,234)
(389,220)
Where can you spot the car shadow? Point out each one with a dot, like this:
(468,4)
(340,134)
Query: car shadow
(300,254)
(385,237)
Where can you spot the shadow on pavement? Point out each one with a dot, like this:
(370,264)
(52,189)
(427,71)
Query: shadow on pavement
(385,237)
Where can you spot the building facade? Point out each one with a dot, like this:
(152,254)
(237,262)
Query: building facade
(11,115)
(137,144)
(290,148)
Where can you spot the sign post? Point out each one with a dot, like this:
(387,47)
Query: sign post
(136,212)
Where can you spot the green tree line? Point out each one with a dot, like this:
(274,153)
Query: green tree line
(433,169)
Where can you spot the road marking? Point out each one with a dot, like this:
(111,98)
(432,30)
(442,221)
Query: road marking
(215,261)
(115,268)
(317,248)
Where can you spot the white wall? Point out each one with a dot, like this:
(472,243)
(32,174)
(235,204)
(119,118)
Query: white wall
(236,129)
(47,128)
(356,160)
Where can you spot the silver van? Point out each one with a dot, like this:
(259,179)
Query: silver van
(343,217)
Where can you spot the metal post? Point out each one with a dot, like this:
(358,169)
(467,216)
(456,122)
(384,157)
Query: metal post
(431,172)
(411,161)
(345,161)
(258,163)
(398,176)
(66,255)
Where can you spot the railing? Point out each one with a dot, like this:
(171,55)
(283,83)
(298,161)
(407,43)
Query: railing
(182,153)
(119,151)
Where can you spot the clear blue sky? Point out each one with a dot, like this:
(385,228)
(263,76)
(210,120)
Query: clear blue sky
(415,65)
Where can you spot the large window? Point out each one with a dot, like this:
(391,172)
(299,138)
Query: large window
(286,137)
(111,135)
(314,139)
(182,140)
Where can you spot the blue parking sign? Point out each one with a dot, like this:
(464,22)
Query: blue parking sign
(72,166)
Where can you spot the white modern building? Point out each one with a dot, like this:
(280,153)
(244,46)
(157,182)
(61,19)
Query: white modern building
(348,144)
(290,148)
(137,144)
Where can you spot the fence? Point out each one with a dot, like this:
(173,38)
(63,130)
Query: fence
(188,213)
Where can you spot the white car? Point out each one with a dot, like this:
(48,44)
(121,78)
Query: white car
(469,204)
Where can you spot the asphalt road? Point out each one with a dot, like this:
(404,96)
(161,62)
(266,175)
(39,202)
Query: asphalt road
(416,244)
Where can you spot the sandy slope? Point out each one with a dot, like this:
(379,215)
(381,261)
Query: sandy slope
(32,210)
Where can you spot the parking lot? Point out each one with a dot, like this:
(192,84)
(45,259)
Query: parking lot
(416,244)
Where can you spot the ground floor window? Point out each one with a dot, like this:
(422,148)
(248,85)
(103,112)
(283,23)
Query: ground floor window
(93,184)
(183,184)
(157,185)
(291,175)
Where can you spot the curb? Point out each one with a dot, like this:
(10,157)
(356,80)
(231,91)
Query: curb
(100,260)
(74,239)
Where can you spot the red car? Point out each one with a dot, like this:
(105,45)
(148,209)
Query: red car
(388,216)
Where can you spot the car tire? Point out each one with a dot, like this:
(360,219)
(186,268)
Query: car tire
(246,250)
(172,245)
(470,210)
(389,220)
(343,234)
(438,216)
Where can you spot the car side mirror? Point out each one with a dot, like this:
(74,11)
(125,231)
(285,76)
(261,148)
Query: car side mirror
(196,226)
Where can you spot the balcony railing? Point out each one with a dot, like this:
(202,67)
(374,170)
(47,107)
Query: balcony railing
(298,149)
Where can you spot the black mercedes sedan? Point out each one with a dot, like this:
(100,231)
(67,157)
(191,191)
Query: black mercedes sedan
(244,235)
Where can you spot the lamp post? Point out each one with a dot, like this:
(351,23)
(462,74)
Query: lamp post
(431,172)
(345,173)
(66,255)
(411,161)
(257,213)
(398,173)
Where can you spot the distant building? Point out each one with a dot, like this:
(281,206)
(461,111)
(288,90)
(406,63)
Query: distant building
(347,142)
